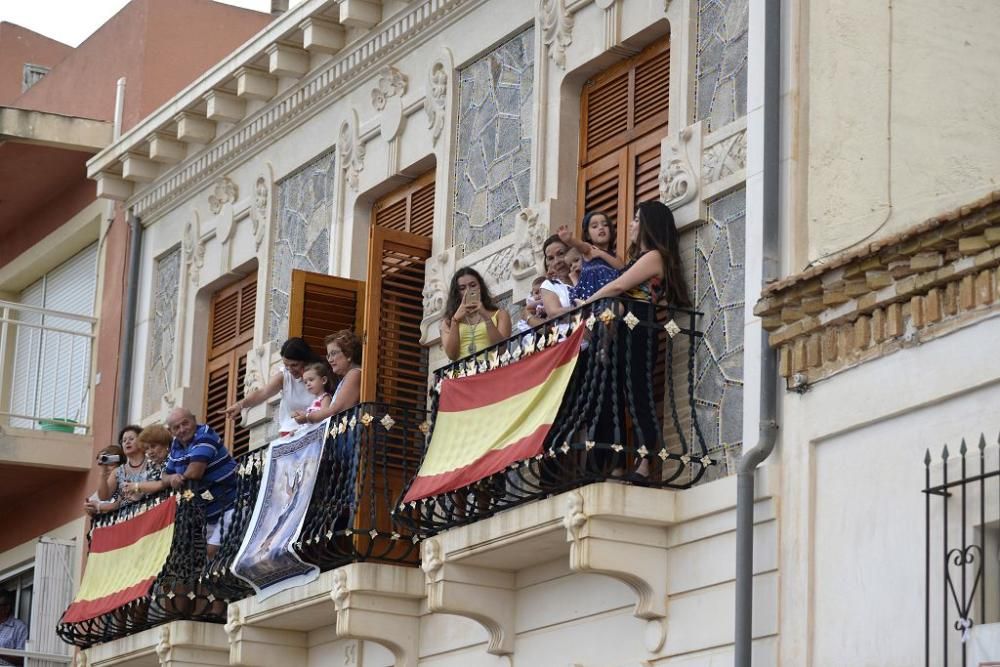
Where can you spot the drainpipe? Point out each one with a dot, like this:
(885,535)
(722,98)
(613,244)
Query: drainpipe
(768,429)
(128,319)
(278,7)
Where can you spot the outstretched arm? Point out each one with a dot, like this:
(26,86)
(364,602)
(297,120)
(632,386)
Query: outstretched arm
(257,397)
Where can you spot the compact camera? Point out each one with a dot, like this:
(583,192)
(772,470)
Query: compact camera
(109,459)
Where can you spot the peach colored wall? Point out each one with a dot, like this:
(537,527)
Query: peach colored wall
(56,503)
(19,46)
(159,46)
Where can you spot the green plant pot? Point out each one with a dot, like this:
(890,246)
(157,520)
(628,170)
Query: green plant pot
(59,426)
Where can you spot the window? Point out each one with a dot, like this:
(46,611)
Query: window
(51,372)
(231,325)
(21,584)
(624,117)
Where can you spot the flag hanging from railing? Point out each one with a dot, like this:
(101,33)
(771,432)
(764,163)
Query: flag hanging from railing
(124,561)
(486,422)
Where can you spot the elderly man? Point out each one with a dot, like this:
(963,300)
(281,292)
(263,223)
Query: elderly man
(197,456)
(13,632)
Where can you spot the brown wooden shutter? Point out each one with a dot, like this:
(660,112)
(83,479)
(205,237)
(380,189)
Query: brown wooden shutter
(320,305)
(409,209)
(231,323)
(624,112)
(395,363)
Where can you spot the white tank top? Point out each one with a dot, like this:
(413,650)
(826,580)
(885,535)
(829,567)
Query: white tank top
(294,397)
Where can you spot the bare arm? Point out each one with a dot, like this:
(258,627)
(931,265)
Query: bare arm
(256,397)
(612,260)
(194,470)
(649,266)
(553,307)
(108,483)
(449,338)
(348,396)
(499,331)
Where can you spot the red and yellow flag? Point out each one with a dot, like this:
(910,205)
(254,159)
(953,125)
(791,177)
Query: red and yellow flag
(124,561)
(487,421)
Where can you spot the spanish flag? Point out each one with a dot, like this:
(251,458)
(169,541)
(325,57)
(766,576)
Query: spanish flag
(486,422)
(124,561)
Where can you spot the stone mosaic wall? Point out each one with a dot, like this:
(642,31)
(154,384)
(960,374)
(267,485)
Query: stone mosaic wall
(719,251)
(162,331)
(302,236)
(493,158)
(721,66)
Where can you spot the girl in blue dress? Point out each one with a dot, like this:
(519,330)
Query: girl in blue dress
(600,265)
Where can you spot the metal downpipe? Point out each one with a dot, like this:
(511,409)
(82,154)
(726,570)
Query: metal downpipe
(768,424)
(128,320)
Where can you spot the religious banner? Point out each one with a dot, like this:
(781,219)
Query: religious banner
(266,559)
(125,559)
(487,421)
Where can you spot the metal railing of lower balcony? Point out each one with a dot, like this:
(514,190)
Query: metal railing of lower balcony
(635,375)
(45,367)
(962,536)
(370,451)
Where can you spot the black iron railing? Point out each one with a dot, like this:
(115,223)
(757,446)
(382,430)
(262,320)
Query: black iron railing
(957,596)
(370,452)
(635,375)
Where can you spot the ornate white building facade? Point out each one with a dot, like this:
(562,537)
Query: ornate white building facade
(285,154)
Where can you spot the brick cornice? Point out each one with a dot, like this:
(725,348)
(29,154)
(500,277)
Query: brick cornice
(927,281)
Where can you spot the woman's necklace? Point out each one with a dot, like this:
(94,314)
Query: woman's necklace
(136,467)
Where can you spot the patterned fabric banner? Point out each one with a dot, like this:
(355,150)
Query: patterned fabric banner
(489,420)
(266,559)
(124,561)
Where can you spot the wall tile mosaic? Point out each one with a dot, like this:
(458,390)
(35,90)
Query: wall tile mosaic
(162,331)
(493,158)
(718,274)
(302,234)
(721,66)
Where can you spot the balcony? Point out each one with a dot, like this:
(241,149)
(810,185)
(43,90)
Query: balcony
(586,489)
(47,383)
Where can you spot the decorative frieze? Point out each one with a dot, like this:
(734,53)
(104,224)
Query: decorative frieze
(930,280)
(557,29)
(352,149)
(439,84)
(193,246)
(162,330)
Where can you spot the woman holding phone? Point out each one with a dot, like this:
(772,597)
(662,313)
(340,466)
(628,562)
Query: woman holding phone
(472,322)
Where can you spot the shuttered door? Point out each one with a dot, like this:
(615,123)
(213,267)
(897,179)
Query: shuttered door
(624,112)
(321,304)
(230,337)
(395,361)
(409,209)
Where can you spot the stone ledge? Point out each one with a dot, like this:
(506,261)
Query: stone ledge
(926,282)
(177,644)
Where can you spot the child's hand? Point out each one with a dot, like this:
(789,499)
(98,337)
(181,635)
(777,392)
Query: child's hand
(565,234)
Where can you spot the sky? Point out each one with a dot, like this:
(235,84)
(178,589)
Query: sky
(72,21)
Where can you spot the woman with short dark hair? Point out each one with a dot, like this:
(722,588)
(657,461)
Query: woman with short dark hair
(295,354)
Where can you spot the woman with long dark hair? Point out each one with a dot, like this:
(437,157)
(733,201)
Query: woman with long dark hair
(472,321)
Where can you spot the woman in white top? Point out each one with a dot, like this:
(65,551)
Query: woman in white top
(295,354)
(555,289)
(343,351)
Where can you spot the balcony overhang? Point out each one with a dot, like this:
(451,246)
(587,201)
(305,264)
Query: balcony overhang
(46,450)
(54,130)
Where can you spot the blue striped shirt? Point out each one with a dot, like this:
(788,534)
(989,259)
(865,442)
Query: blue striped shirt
(219,479)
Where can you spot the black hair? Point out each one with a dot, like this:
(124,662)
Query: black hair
(131,427)
(296,349)
(585,234)
(455,299)
(658,232)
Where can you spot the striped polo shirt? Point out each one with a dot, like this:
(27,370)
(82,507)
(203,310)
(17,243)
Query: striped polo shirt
(219,480)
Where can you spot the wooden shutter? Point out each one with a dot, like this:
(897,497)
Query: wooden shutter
(395,363)
(624,112)
(409,209)
(231,323)
(320,305)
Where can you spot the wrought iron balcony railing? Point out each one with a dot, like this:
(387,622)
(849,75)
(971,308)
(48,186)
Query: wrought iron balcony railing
(635,375)
(370,452)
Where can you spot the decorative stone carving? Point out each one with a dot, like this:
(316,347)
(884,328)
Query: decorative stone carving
(391,83)
(496,269)
(81,659)
(260,210)
(724,158)
(575,517)
(224,192)
(436,285)
(256,369)
(483,594)
(160,346)
(678,183)
(557,29)
(430,557)
(339,590)
(352,150)
(163,646)
(193,247)
(436,99)
(234,621)
(530,233)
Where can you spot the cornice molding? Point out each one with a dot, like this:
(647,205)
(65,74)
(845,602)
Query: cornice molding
(297,104)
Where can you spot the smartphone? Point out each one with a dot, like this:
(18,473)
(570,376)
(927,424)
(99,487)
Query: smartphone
(472,297)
